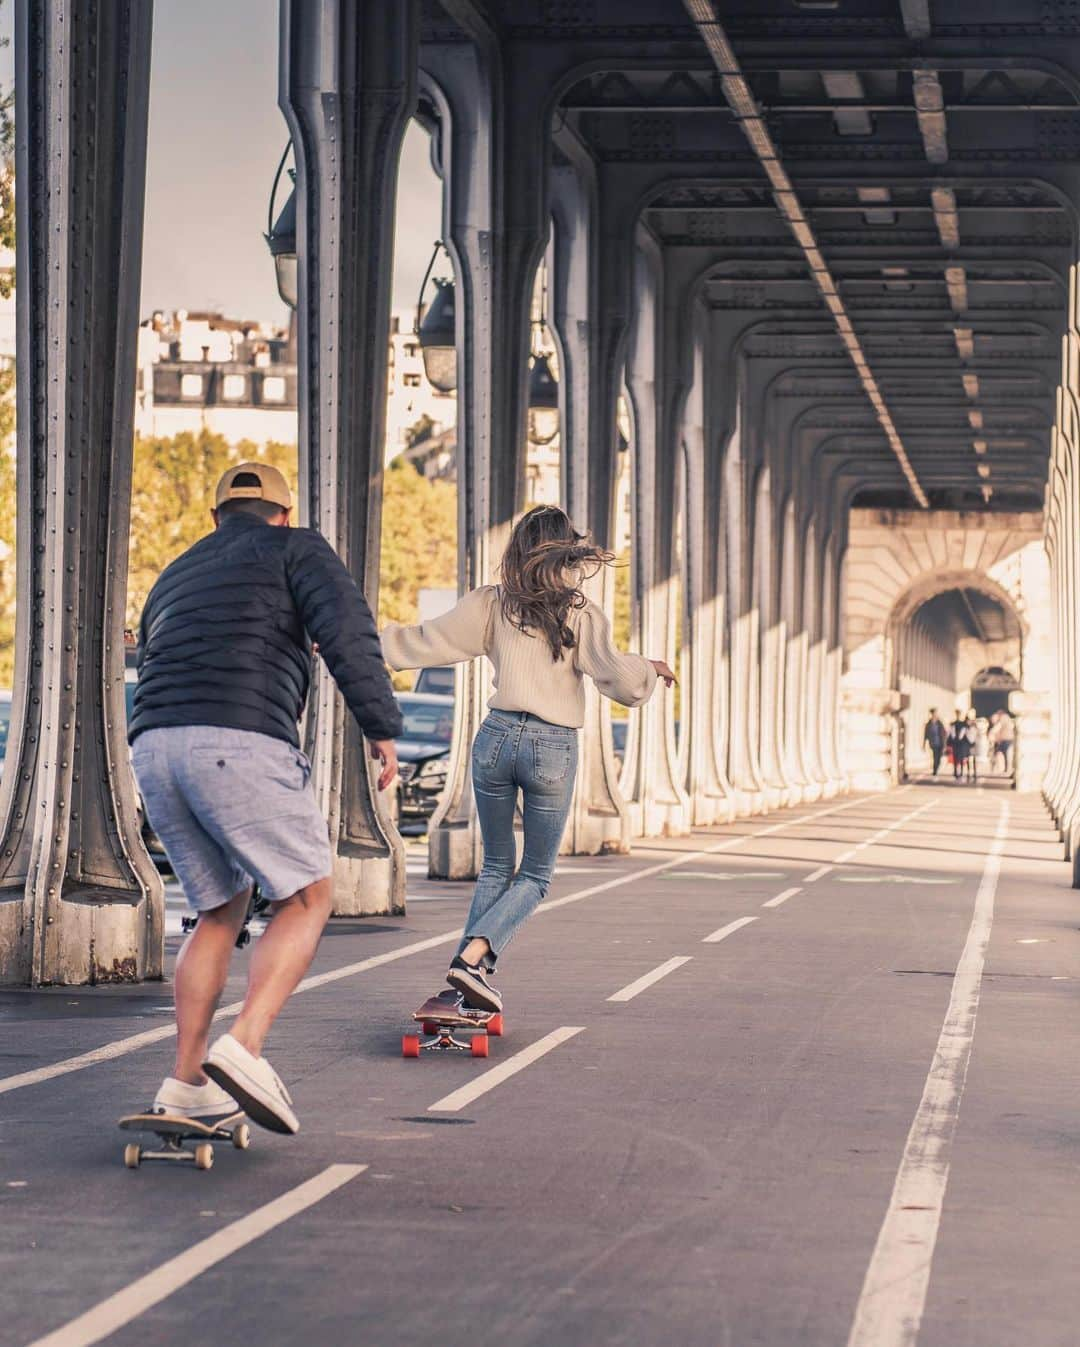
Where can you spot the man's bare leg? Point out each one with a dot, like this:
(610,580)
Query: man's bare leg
(282,956)
(201,969)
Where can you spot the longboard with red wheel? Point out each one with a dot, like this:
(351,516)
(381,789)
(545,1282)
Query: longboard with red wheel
(440,1016)
(172,1131)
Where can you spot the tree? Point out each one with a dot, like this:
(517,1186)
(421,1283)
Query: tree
(173,481)
(419,543)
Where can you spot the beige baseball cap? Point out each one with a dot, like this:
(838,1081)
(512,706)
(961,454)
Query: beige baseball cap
(269,485)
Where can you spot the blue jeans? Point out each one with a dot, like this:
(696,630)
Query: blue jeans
(516,751)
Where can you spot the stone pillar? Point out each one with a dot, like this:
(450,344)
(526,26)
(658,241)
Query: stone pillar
(347,89)
(493,110)
(590,280)
(80,901)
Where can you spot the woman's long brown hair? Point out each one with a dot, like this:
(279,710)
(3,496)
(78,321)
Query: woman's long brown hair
(542,570)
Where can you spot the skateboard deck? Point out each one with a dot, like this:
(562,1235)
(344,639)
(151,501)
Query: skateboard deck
(172,1131)
(440,1015)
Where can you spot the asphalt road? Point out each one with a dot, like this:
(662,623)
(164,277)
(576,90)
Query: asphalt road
(808,1079)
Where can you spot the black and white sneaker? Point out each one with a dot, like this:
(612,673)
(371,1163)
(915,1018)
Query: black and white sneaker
(472,981)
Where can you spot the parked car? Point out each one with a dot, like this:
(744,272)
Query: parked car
(423,756)
(5,721)
(439,680)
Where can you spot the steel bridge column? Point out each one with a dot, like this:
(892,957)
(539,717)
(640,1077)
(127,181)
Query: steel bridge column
(347,88)
(659,803)
(494,159)
(590,281)
(80,900)
(744,664)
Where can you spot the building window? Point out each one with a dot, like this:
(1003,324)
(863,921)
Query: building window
(235,384)
(273,388)
(191,386)
(411,380)
(410,348)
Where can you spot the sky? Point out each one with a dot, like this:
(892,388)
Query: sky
(216,136)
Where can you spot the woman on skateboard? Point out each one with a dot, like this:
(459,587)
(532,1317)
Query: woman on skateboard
(543,638)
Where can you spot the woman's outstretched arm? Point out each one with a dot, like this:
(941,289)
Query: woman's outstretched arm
(458,635)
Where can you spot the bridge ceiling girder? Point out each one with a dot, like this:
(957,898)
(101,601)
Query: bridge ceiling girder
(893,183)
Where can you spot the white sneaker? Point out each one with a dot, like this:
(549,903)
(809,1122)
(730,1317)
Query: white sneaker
(204,1102)
(253,1083)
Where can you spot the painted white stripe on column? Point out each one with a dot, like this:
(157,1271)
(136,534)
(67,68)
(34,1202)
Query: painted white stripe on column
(628,992)
(120,1309)
(890,1308)
(451,1103)
(782,897)
(729,929)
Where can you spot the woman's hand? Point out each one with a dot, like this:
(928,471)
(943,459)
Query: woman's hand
(662,671)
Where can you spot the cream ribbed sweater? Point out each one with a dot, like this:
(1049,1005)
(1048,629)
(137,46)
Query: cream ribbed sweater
(526,677)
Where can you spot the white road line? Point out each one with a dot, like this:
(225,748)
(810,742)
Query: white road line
(782,897)
(121,1046)
(631,990)
(120,1309)
(890,1308)
(819,873)
(451,1103)
(133,1042)
(729,929)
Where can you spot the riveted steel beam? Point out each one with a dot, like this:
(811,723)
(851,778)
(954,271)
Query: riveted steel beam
(80,900)
(347,87)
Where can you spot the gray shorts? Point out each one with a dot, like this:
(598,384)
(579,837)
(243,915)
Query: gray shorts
(231,806)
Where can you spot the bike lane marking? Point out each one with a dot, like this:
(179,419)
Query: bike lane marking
(631,990)
(128,1304)
(457,1100)
(848,855)
(893,1297)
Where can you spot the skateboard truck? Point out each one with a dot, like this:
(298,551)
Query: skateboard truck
(440,1015)
(172,1131)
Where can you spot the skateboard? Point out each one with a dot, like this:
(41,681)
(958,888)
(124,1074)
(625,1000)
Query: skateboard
(440,1015)
(173,1131)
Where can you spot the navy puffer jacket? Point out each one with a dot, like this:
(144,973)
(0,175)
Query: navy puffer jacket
(225,637)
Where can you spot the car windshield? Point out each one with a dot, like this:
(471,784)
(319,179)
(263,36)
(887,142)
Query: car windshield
(425,721)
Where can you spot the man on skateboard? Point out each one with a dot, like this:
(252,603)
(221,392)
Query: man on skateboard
(224,664)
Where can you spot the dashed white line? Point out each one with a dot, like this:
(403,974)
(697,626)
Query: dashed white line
(729,929)
(120,1309)
(452,1103)
(631,990)
(890,1308)
(133,1042)
(726,845)
(819,873)
(782,897)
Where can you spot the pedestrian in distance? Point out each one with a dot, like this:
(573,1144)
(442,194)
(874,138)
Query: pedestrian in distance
(959,744)
(1002,738)
(542,638)
(224,660)
(934,737)
(972,762)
